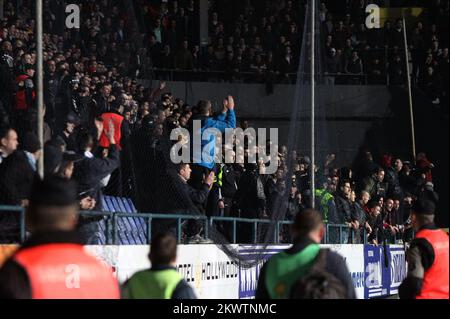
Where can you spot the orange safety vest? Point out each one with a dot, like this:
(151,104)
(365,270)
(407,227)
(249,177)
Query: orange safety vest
(66,271)
(117,120)
(436,280)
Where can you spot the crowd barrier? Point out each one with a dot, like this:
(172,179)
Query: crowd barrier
(123,225)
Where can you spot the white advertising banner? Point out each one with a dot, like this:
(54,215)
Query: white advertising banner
(354,257)
(207,268)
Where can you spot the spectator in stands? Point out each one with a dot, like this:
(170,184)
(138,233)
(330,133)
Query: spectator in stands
(225,120)
(359,219)
(375,223)
(333,66)
(343,207)
(376,71)
(354,66)
(375,184)
(425,166)
(90,174)
(397,71)
(431,84)
(18,172)
(162,281)
(184,59)
(326,203)
(391,175)
(251,199)
(390,220)
(35,271)
(276,281)
(103,100)
(197,196)
(8,142)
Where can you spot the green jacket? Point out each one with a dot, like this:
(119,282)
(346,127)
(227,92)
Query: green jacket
(284,270)
(324,198)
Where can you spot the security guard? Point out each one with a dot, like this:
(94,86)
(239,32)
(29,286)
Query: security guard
(53,264)
(280,275)
(162,281)
(427,257)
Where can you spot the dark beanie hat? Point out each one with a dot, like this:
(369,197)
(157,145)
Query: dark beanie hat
(424,207)
(54,191)
(30,143)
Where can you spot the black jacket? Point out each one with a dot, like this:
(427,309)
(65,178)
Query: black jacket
(343,207)
(335,265)
(230,181)
(16,179)
(90,171)
(250,196)
(198,197)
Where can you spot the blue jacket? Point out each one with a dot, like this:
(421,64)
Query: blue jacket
(220,122)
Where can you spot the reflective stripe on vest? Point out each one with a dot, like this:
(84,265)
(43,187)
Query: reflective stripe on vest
(117,120)
(435,283)
(153,284)
(284,270)
(66,271)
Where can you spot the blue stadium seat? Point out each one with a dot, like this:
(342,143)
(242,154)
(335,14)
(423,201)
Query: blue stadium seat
(131,230)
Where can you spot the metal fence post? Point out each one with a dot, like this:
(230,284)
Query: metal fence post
(206,228)
(255,230)
(115,226)
(340,234)
(149,230)
(277,233)
(22,225)
(234,231)
(179,230)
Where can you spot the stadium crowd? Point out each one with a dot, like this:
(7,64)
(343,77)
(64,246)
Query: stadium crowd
(95,107)
(260,41)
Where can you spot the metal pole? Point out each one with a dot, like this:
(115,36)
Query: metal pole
(408,76)
(313,106)
(40,84)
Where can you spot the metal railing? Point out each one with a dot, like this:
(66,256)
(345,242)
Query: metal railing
(253,77)
(254,222)
(335,234)
(13,210)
